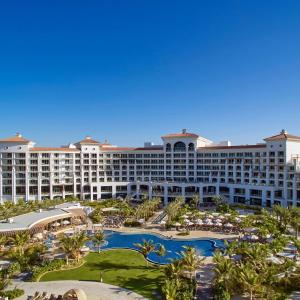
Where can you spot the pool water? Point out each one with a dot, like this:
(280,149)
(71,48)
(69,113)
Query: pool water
(204,247)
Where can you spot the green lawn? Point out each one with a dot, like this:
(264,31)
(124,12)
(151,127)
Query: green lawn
(120,267)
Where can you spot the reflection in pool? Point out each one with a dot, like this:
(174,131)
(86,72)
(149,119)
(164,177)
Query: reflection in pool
(115,239)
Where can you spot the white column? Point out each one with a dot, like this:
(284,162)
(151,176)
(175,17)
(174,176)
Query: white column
(39,186)
(150,190)
(14,185)
(74,184)
(294,191)
(264,198)
(114,191)
(165,195)
(27,195)
(138,190)
(231,193)
(1,186)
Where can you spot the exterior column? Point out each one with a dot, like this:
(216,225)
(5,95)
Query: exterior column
(294,191)
(13,194)
(231,193)
(27,194)
(150,190)
(201,193)
(74,185)
(114,191)
(138,190)
(1,186)
(129,190)
(272,197)
(264,198)
(247,195)
(51,184)
(165,195)
(183,191)
(39,186)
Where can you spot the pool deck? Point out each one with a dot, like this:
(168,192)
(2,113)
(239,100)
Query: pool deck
(94,290)
(194,234)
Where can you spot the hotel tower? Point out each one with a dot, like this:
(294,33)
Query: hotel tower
(184,164)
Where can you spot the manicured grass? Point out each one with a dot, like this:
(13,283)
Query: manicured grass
(120,267)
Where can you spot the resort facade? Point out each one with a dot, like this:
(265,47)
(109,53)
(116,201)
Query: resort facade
(185,164)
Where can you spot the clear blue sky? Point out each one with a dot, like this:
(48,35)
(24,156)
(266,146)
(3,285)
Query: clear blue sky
(130,71)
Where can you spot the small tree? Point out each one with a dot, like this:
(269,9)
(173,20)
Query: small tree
(98,239)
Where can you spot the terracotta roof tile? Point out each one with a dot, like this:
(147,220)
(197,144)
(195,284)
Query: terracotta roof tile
(15,139)
(88,140)
(62,149)
(180,135)
(232,147)
(283,136)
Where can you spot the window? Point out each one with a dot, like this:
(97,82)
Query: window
(191,147)
(180,147)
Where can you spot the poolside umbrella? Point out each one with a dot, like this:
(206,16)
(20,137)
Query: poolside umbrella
(201,213)
(190,223)
(218,221)
(66,222)
(185,216)
(141,220)
(199,222)
(177,224)
(218,224)
(56,224)
(227,215)
(163,222)
(215,214)
(221,217)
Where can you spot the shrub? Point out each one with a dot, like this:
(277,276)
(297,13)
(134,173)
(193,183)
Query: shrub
(132,223)
(12,294)
(183,233)
(54,265)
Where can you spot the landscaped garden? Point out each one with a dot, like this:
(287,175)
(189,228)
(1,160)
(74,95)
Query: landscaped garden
(124,268)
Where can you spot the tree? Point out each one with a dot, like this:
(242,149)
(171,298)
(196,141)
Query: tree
(170,289)
(195,201)
(190,260)
(98,239)
(161,251)
(71,245)
(250,280)
(145,248)
(20,241)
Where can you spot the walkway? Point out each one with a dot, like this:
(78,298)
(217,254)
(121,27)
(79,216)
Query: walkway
(93,290)
(204,286)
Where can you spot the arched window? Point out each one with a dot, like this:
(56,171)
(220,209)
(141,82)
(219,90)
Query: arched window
(179,147)
(191,147)
(168,147)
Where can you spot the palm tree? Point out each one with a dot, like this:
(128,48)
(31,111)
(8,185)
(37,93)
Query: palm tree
(224,271)
(161,251)
(98,239)
(249,280)
(71,245)
(145,248)
(20,241)
(190,260)
(170,289)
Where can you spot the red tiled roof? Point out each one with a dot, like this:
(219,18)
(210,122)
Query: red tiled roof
(15,139)
(54,149)
(283,136)
(130,148)
(233,147)
(88,140)
(180,135)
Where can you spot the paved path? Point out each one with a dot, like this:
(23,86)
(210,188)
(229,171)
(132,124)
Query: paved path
(204,288)
(93,290)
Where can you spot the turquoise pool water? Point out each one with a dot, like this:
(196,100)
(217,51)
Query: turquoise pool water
(204,247)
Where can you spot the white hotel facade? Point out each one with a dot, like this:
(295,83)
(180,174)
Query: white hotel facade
(185,164)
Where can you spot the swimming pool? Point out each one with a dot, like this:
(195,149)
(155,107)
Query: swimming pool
(114,239)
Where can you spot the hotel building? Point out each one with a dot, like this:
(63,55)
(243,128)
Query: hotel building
(184,164)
